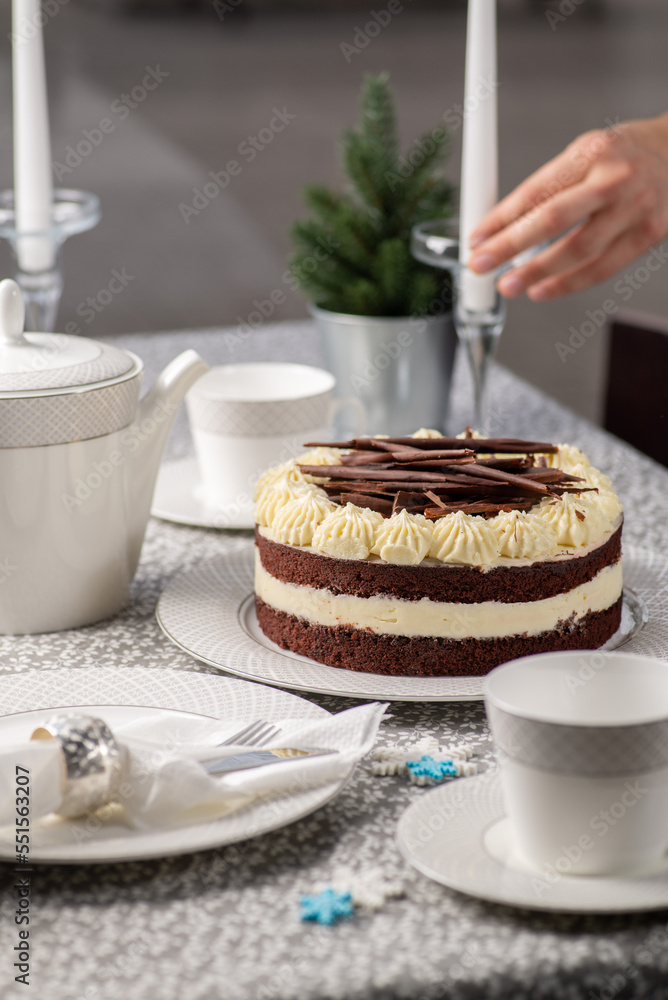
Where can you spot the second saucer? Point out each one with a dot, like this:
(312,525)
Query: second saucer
(458,835)
(179,497)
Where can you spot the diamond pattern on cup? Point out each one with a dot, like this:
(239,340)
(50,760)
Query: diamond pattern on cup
(271,418)
(32,421)
(608,750)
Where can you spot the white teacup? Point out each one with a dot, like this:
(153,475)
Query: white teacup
(246,417)
(582,739)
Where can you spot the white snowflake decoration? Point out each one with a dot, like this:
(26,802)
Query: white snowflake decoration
(369,888)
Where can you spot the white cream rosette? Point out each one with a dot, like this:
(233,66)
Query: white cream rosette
(347,533)
(605,497)
(274,496)
(297,521)
(577,520)
(276,474)
(463,538)
(403,539)
(566,457)
(523,537)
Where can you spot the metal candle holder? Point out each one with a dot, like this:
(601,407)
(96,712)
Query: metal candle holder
(73,212)
(434,243)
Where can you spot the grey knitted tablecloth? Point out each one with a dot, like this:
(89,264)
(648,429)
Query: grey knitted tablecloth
(224,924)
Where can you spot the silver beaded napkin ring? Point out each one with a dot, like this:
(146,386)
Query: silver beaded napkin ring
(91,759)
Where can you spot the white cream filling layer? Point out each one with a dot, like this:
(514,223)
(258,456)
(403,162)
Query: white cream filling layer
(393,616)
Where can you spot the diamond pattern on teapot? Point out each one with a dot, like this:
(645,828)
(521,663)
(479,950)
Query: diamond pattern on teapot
(31,421)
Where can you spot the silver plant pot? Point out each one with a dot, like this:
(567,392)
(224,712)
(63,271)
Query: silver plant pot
(400,369)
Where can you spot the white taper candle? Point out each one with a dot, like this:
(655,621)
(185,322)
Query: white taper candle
(33,188)
(480,158)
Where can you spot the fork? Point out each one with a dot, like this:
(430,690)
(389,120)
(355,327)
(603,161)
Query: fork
(257,734)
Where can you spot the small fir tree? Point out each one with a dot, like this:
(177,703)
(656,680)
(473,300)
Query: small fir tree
(353,254)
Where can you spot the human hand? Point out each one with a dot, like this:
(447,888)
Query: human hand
(607,193)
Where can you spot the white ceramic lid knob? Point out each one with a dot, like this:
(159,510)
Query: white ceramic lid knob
(42,363)
(12,315)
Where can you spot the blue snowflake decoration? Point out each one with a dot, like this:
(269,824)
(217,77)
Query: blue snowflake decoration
(436,770)
(327,907)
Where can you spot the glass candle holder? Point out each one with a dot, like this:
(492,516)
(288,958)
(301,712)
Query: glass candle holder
(437,244)
(38,273)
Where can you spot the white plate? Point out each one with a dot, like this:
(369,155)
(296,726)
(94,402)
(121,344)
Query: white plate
(209,613)
(459,836)
(115,693)
(178,498)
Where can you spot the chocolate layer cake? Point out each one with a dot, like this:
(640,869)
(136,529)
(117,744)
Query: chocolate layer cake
(429,556)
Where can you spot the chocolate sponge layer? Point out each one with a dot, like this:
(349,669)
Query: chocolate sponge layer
(459,584)
(364,650)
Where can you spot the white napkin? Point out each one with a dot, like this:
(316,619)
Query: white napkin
(163,785)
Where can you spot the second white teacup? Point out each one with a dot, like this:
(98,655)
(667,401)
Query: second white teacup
(582,739)
(246,417)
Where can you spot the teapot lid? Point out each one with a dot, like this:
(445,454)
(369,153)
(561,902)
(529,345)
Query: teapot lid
(38,363)
(56,389)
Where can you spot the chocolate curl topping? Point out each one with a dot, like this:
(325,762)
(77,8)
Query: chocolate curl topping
(481,507)
(436,499)
(447,488)
(380,504)
(348,472)
(438,476)
(486,471)
(457,457)
(511,445)
(365,458)
(411,458)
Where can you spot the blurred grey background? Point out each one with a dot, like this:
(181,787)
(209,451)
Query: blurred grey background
(225,66)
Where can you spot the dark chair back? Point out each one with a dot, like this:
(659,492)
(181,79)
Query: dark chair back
(636,407)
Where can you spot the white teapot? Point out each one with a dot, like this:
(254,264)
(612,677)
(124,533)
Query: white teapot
(79,455)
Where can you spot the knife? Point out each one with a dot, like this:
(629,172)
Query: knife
(259,758)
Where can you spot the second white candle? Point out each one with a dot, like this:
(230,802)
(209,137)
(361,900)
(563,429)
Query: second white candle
(33,187)
(480,158)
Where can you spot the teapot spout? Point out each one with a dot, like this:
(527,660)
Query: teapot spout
(155,417)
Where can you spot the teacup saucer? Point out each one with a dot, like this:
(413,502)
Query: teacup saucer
(459,836)
(178,498)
